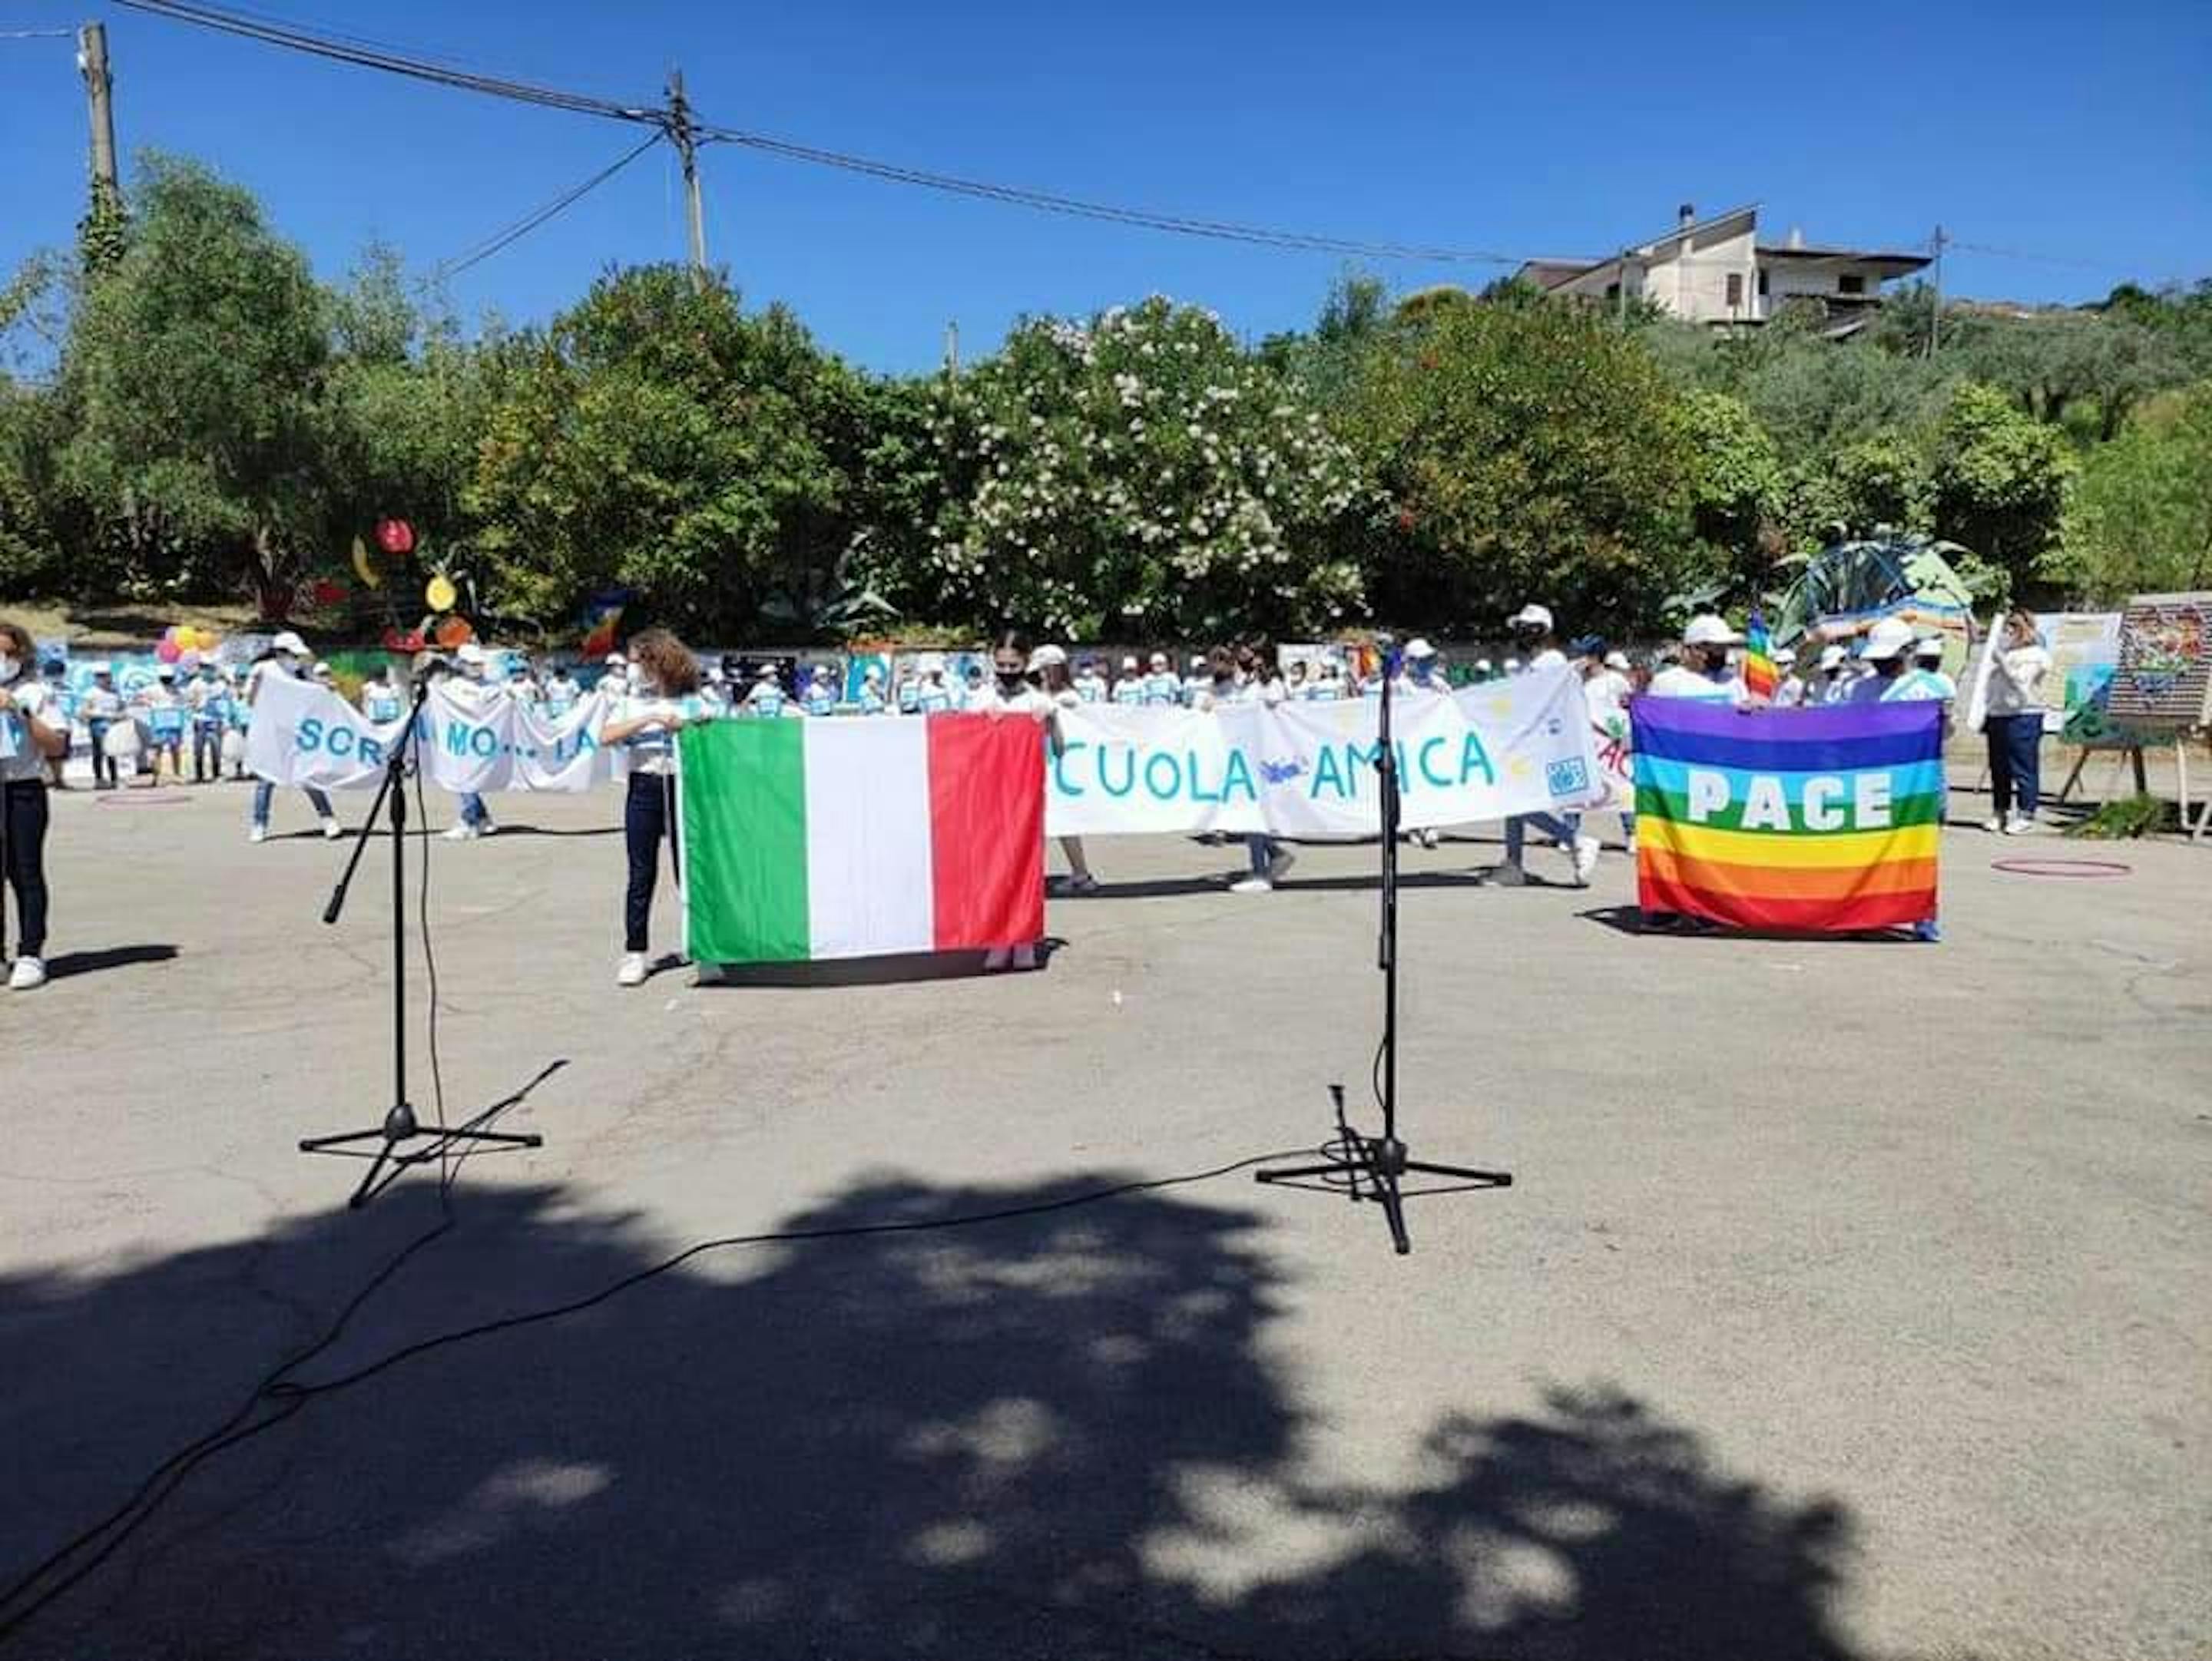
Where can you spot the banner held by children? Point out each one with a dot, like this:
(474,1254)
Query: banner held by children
(1823,821)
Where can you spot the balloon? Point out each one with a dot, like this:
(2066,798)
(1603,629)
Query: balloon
(455,631)
(328,592)
(395,536)
(440,593)
(167,651)
(362,568)
(187,637)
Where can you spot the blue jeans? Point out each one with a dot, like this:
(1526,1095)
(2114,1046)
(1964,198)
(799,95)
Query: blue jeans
(1260,850)
(1562,831)
(473,810)
(207,753)
(2015,761)
(263,792)
(647,816)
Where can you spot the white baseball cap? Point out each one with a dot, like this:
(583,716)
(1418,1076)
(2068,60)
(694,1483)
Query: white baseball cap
(319,669)
(1197,660)
(765,672)
(1160,660)
(1512,665)
(1419,647)
(614,658)
(1831,657)
(1617,660)
(1531,613)
(169,671)
(289,642)
(933,663)
(1927,645)
(469,652)
(1784,656)
(873,675)
(1047,656)
(1128,663)
(1707,628)
(1482,665)
(1887,639)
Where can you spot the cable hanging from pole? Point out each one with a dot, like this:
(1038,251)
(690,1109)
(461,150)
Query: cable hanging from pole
(498,240)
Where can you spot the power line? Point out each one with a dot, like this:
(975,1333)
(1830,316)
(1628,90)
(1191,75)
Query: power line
(2103,265)
(366,55)
(1048,202)
(476,254)
(391,63)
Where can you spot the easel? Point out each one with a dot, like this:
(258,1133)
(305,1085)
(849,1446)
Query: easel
(2197,823)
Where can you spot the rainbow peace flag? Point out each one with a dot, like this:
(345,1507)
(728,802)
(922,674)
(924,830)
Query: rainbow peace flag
(1759,676)
(1824,820)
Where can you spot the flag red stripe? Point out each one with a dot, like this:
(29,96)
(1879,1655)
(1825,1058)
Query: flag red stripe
(1657,893)
(987,830)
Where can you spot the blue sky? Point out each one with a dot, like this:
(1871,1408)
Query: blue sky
(2080,134)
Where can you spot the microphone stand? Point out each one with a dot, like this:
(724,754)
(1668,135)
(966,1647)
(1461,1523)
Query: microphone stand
(1371,1168)
(401,1124)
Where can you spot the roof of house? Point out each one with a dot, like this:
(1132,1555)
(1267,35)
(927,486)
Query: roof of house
(1898,264)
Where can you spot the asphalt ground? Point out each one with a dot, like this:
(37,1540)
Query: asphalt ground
(1850,1300)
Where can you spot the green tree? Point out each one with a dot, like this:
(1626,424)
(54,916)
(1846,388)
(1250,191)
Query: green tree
(193,371)
(2140,518)
(660,439)
(1738,494)
(2000,481)
(1530,450)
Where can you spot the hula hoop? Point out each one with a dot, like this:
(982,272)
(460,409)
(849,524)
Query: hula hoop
(2064,868)
(142,798)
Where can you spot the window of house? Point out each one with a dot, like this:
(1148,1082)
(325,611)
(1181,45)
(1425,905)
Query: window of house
(1850,283)
(1762,285)
(1612,291)
(1734,289)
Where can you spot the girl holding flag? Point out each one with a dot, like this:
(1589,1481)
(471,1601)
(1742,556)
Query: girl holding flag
(645,719)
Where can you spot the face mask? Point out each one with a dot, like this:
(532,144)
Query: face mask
(1010,680)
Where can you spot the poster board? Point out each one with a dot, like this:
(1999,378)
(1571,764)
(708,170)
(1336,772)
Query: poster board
(2163,681)
(2085,650)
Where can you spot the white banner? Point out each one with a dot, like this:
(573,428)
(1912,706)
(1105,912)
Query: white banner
(472,738)
(1523,745)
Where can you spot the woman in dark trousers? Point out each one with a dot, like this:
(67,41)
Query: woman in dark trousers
(662,698)
(2013,726)
(32,733)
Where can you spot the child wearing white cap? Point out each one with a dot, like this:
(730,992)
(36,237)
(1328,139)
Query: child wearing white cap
(1161,686)
(287,655)
(1790,691)
(1129,685)
(468,688)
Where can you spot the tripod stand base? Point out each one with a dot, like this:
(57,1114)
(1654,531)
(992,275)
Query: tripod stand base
(1370,1168)
(400,1125)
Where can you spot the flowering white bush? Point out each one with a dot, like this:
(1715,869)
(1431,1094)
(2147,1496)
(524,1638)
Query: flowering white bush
(1141,474)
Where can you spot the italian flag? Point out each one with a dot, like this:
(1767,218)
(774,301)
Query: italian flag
(858,838)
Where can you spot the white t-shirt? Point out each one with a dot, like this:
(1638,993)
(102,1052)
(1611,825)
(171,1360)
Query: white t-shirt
(381,700)
(2018,674)
(1549,658)
(1606,696)
(653,750)
(1677,682)
(21,759)
(1791,692)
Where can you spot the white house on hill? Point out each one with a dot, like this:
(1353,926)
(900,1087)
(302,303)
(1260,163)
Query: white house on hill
(1717,271)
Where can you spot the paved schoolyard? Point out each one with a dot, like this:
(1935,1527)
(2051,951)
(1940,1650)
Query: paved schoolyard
(1851,1299)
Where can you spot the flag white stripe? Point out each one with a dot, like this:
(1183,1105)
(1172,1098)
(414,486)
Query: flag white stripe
(869,884)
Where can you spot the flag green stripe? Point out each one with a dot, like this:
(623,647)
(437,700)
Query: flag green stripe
(1926,809)
(744,796)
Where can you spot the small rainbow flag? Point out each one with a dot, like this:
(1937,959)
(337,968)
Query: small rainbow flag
(603,617)
(1759,676)
(1823,820)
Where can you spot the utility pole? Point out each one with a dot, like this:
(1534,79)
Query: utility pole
(92,63)
(687,146)
(952,348)
(1935,317)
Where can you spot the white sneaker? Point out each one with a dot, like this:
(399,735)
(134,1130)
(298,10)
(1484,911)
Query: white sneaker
(1081,882)
(1631,847)
(257,833)
(29,972)
(1427,839)
(1994,827)
(1506,874)
(632,972)
(707,974)
(461,831)
(2019,825)
(1280,866)
(1254,883)
(332,830)
(1585,859)
(485,828)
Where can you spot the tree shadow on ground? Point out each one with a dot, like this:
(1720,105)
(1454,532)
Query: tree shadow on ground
(1063,1436)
